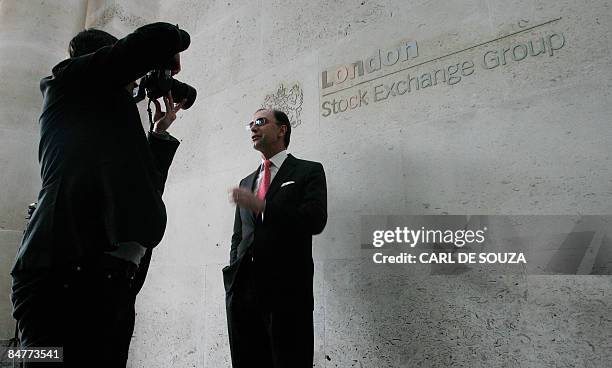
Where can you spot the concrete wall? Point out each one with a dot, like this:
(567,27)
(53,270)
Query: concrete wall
(528,137)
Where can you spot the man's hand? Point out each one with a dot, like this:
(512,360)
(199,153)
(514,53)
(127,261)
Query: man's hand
(162,119)
(245,199)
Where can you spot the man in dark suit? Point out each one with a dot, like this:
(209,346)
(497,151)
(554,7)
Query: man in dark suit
(87,247)
(268,283)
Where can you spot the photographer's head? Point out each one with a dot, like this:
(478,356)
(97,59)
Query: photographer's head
(270,131)
(91,40)
(88,41)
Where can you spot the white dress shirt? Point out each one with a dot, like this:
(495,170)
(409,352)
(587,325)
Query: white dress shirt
(277,160)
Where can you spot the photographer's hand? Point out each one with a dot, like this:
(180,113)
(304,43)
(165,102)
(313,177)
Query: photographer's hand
(163,119)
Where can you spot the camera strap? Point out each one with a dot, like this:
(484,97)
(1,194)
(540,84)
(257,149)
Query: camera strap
(150,116)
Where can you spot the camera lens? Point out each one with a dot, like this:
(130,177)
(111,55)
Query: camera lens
(182,91)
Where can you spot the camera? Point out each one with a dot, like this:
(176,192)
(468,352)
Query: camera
(159,82)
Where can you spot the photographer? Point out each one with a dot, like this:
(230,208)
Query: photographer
(86,250)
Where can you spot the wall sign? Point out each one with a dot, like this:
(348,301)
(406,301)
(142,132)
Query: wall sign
(359,84)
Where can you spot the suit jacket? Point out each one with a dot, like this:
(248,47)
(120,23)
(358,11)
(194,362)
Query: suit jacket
(279,247)
(102,178)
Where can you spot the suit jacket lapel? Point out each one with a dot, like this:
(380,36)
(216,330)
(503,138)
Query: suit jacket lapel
(249,183)
(283,173)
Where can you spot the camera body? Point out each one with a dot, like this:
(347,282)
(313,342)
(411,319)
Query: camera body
(159,82)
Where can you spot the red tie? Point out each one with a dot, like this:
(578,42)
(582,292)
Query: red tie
(265,182)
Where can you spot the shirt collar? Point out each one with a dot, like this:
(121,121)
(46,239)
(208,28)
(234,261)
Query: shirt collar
(278,159)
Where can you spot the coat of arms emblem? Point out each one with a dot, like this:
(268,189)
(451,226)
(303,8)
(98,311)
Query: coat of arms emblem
(287,100)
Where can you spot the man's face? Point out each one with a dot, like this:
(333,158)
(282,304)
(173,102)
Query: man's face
(268,136)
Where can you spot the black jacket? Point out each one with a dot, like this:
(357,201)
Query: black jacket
(280,247)
(102,177)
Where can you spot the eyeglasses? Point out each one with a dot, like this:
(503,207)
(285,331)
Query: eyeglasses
(258,122)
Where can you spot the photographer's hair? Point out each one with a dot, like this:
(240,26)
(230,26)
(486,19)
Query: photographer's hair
(88,41)
(281,119)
